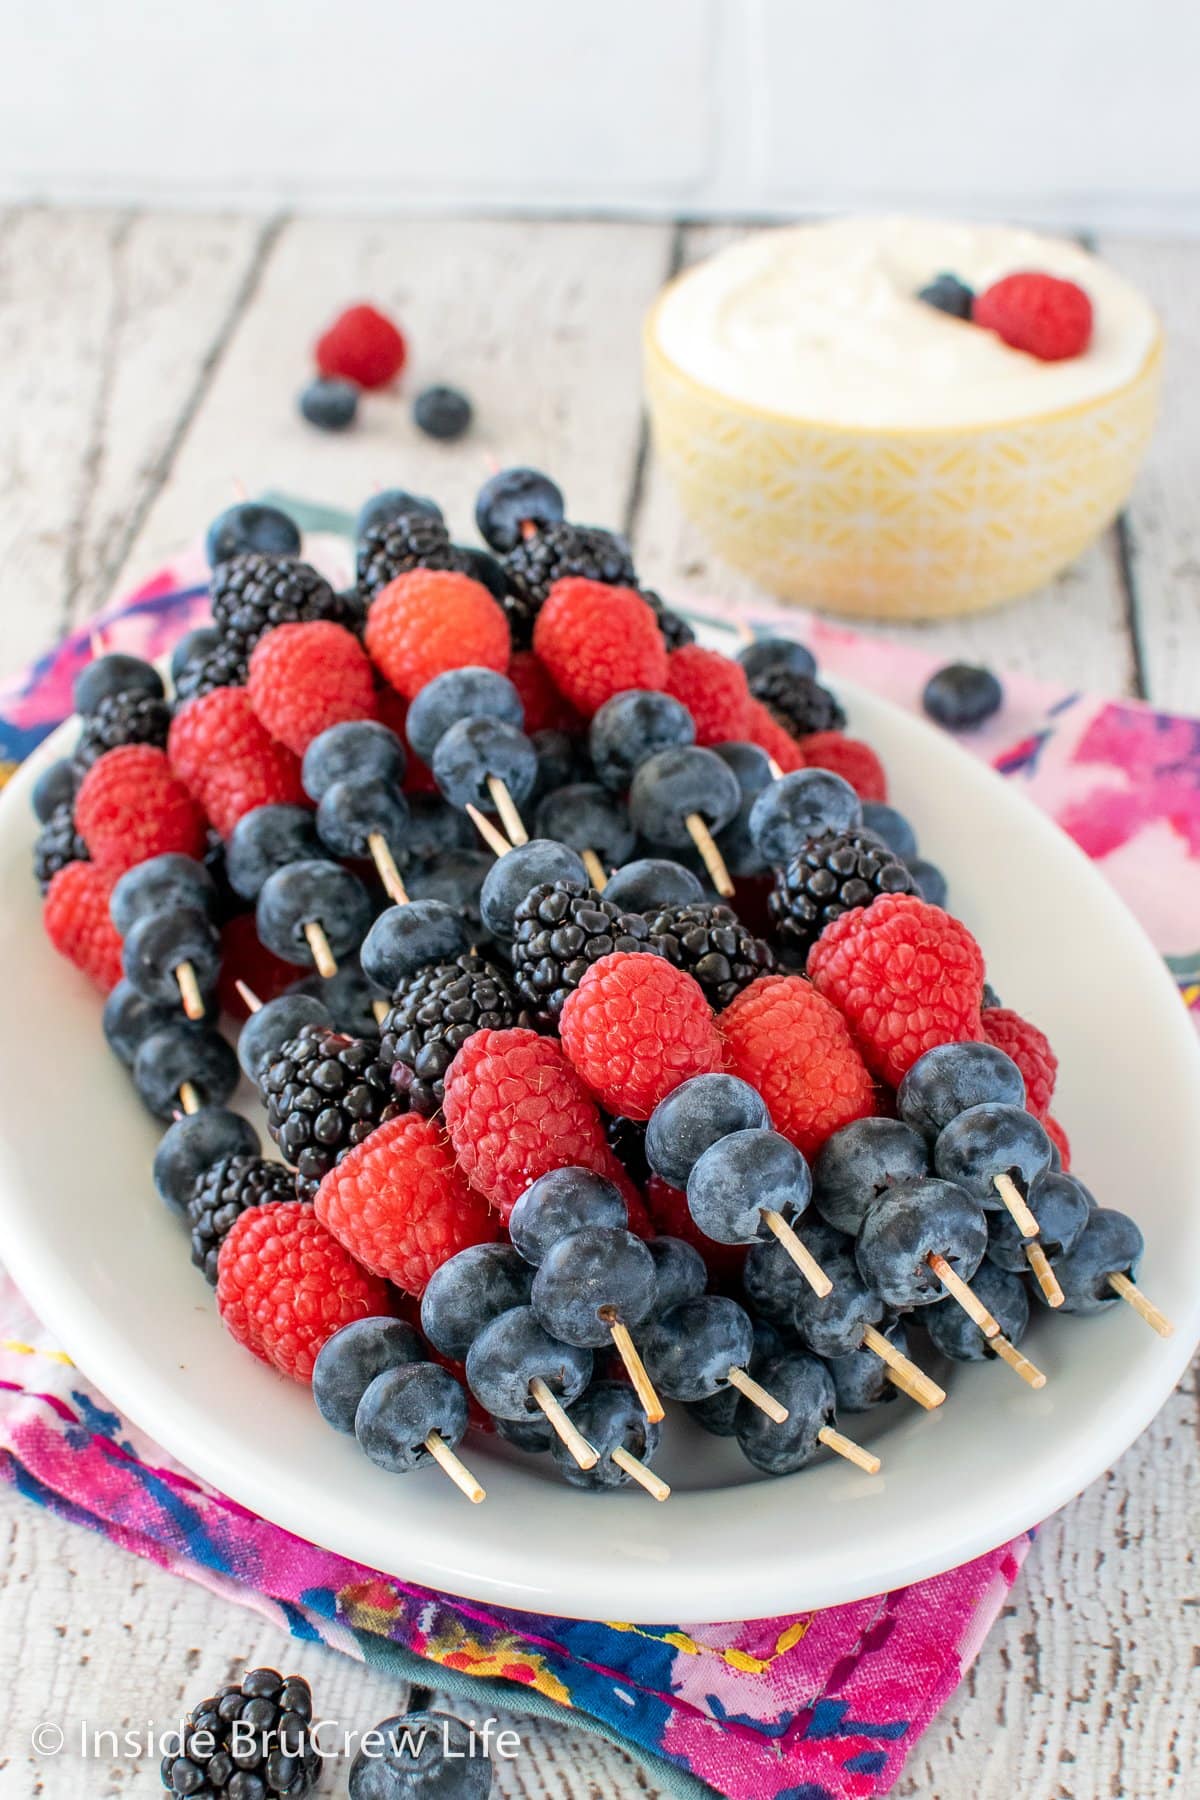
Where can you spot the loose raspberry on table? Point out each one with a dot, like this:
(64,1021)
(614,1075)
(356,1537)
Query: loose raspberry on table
(1049,318)
(848,757)
(305,678)
(670,1215)
(432,620)
(131,806)
(399,1203)
(796,1049)
(76,917)
(595,641)
(222,751)
(362,345)
(634,1028)
(1030,1050)
(713,689)
(905,976)
(515,1109)
(545,708)
(764,729)
(1058,1136)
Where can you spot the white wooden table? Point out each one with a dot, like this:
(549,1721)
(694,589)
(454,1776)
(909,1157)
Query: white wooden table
(148,361)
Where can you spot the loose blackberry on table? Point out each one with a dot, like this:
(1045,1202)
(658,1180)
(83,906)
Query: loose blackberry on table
(433,1013)
(713,945)
(325,1092)
(831,874)
(222,1194)
(560,930)
(251,1740)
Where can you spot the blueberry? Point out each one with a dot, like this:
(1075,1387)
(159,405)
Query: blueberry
(348,997)
(467,693)
(481,566)
(194,647)
(129,1018)
(696,1115)
(514,1349)
(859,1163)
(913,1221)
(251,526)
(653,882)
(717,1413)
(590,1280)
(512,876)
(632,727)
(115,673)
(741,1176)
(468,1291)
(421,1756)
(158,884)
(961,696)
(951,1078)
(828,1325)
(193,1144)
(442,412)
(1110,1244)
(680,1271)
(533,1436)
(513,498)
(349,1361)
(892,826)
(265,839)
(265,1032)
(800,806)
(610,1418)
(352,812)
(433,827)
(456,878)
(736,843)
(473,751)
(54,787)
(312,892)
(991,1140)
(559,1203)
(352,752)
(860,1380)
(586,816)
(673,786)
(1061,1207)
(805,1387)
(160,942)
(949,295)
(399,1410)
(404,938)
(561,760)
(328,403)
(391,504)
(767,654)
(179,1053)
(931,883)
(690,1349)
(957,1336)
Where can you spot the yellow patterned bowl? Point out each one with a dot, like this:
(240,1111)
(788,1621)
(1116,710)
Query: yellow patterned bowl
(901,524)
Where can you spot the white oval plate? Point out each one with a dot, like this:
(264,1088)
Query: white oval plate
(108,1270)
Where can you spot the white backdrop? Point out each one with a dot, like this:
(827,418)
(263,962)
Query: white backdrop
(1077,112)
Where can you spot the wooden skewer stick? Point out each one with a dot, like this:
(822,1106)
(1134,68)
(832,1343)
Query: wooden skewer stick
(495,841)
(322,955)
(1008,1352)
(454,1467)
(654,1484)
(505,805)
(380,1009)
(743,631)
(385,862)
(96,641)
(1047,1280)
(970,1303)
(561,1425)
(635,1368)
(714,862)
(918,1385)
(1017,1205)
(1145,1309)
(597,874)
(775,769)
(249,998)
(189,1099)
(189,991)
(904,1385)
(799,1252)
(866,1460)
(758,1396)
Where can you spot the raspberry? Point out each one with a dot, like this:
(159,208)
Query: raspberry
(796,1049)
(764,729)
(223,752)
(75,915)
(905,976)
(130,805)
(285,1285)
(304,678)
(515,1109)
(848,757)
(669,1214)
(596,641)
(1029,1049)
(432,620)
(634,1028)
(1057,1135)
(363,346)
(1049,318)
(245,958)
(399,1204)
(545,708)
(714,691)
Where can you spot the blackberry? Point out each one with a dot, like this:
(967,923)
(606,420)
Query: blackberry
(674,627)
(831,874)
(252,593)
(122,719)
(252,1740)
(57,844)
(711,944)
(223,1193)
(559,930)
(550,555)
(799,702)
(391,547)
(433,1014)
(324,1093)
(226,666)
